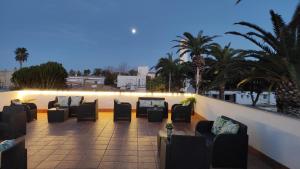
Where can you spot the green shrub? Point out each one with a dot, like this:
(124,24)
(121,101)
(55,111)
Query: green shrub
(50,75)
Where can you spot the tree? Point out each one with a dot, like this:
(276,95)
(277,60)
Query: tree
(166,67)
(133,72)
(156,84)
(86,72)
(21,55)
(195,46)
(78,73)
(279,57)
(72,72)
(97,72)
(110,78)
(50,75)
(222,57)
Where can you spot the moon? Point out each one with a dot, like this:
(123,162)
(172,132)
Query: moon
(133,31)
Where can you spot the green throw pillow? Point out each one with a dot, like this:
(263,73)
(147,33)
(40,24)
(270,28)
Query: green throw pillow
(229,128)
(217,126)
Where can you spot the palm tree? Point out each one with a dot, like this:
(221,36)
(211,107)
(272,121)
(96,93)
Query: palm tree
(21,55)
(222,58)
(279,58)
(166,67)
(196,47)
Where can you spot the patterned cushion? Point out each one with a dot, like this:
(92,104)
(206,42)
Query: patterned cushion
(217,126)
(75,100)
(229,128)
(63,101)
(158,103)
(145,103)
(4,145)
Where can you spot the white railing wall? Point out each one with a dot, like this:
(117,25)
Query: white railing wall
(275,135)
(105,99)
(6,97)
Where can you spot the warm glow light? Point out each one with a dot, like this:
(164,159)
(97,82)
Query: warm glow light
(23,93)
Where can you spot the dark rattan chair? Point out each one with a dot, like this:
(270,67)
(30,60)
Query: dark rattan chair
(12,122)
(88,111)
(228,150)
(122,111)
(181,113)
(184,152)
(30,109)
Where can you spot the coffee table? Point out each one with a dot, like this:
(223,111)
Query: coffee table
(162,135)
(155,114)
(58,114)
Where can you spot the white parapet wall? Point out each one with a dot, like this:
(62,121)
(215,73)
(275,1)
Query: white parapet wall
(275,135)
(6,97)
(105,99)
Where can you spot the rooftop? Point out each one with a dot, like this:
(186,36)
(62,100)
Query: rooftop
(101,144)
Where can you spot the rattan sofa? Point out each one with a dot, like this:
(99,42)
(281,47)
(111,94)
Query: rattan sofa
(228,150)
(141,111)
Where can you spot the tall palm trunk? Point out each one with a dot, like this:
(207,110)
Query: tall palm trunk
(21,64)
(222,91)
(170,79)
(199,63)
(197,80)
(288,98)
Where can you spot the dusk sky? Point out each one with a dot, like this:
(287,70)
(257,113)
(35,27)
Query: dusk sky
(98,33)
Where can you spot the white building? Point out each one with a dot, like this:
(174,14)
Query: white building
(134,82)
(85,81)
(5,79)
(244,97)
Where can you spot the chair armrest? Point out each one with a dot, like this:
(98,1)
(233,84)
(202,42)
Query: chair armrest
(125,103)
(175,105)
(51,104)
(230,142)
(31,105)
(204,126)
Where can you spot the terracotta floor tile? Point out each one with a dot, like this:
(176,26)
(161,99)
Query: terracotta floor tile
(103,144)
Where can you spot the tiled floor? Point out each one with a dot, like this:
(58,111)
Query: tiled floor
(102,144)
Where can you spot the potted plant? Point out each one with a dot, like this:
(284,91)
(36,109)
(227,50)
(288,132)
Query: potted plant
(190,100)
(169,127)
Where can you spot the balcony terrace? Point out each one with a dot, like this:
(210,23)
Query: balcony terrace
(273,139)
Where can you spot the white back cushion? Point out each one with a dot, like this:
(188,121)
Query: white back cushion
(63,101)
(75,100)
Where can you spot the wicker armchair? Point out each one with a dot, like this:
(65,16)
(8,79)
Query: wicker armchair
(15,157)
(30,109)
(184,152)
(122,111)
(88,111)
(12,122)
(228,150)
(181,113)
